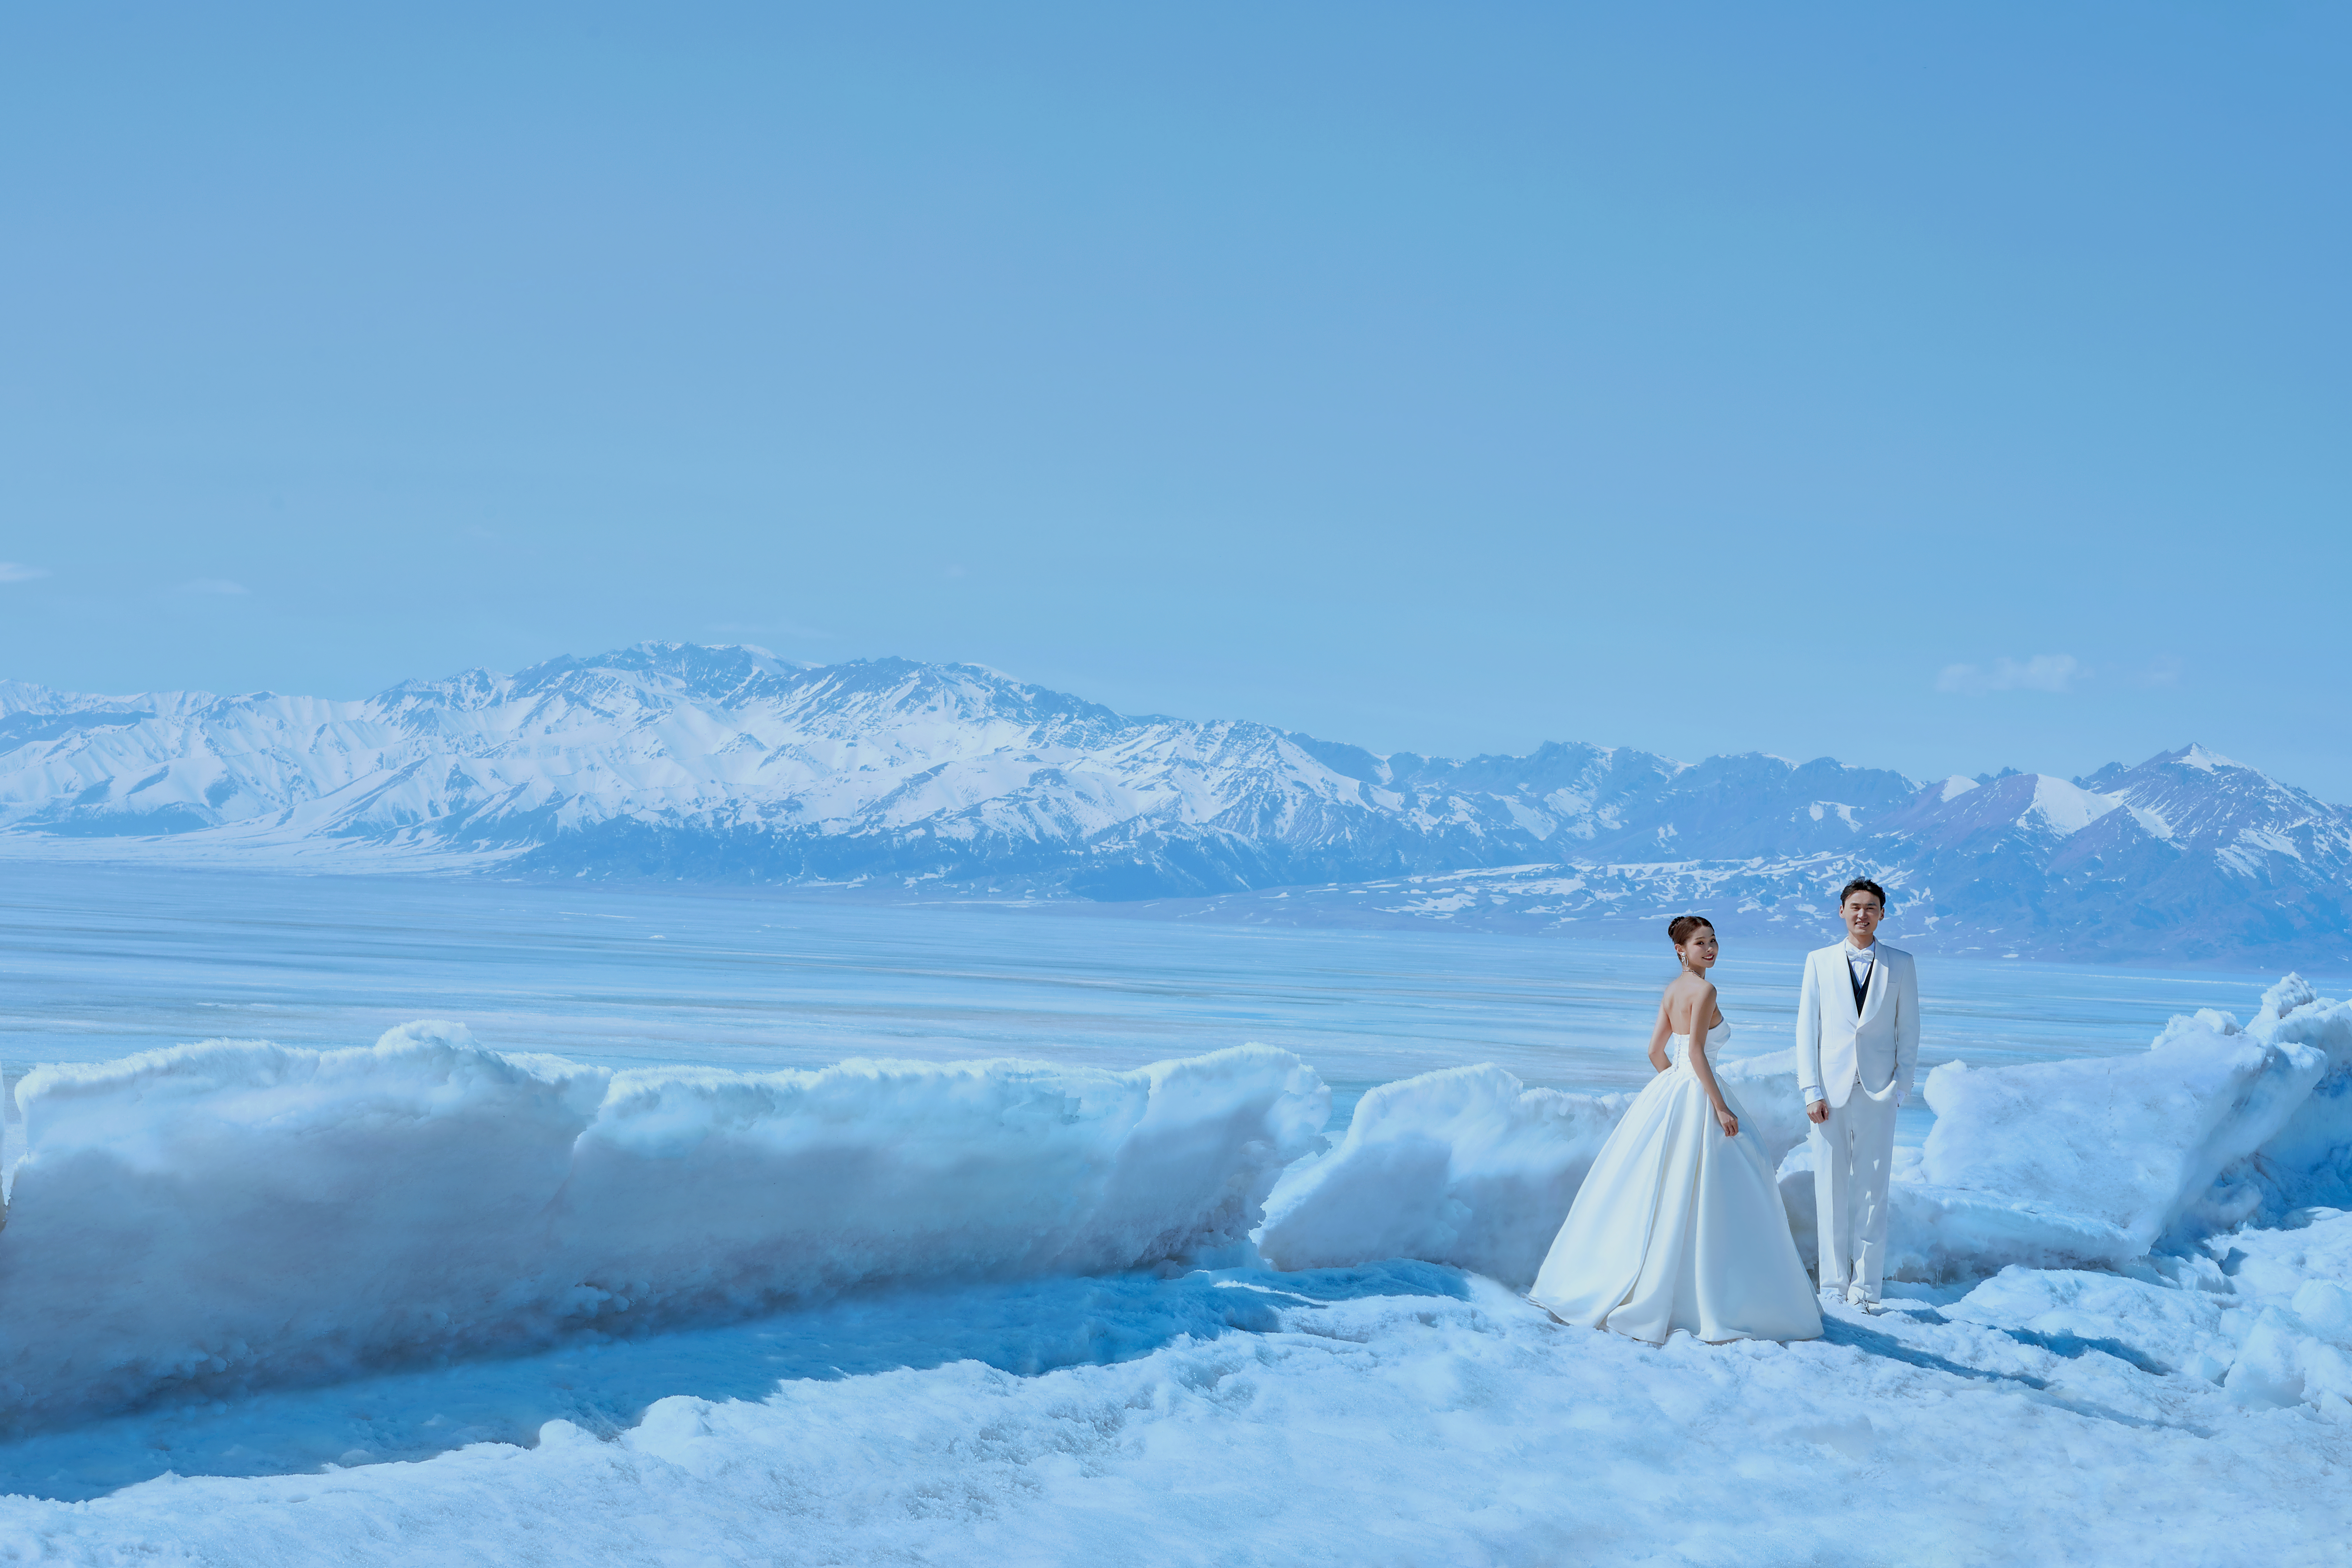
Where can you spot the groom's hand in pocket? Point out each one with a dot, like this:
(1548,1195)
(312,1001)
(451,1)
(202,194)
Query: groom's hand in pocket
(1818,1112)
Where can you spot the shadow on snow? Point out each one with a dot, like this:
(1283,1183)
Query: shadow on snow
(1870,1341)
(604,1385)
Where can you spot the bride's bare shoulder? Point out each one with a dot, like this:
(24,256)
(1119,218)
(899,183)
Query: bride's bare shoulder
(1685,994)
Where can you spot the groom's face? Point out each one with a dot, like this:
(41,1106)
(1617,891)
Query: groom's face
(1862,913)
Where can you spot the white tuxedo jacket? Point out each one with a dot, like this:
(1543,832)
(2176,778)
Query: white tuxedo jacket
(1835,1048)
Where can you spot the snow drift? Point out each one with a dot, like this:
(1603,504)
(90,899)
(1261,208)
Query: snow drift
(2265,1312)
(2076,1164)
(221,1216)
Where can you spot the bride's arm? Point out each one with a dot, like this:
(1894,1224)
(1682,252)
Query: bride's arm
(1659,1034)
(1705,1068)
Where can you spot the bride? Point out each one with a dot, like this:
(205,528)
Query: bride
(1679,1224)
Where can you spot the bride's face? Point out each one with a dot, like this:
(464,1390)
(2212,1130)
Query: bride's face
(1698,952)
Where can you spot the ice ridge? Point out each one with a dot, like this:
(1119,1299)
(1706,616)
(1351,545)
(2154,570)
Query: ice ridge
(221,1216)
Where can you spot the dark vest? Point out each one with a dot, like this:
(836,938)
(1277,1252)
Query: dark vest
(1861,985)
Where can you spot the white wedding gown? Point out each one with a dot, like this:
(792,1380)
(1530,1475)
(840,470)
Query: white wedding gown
(1677,1227)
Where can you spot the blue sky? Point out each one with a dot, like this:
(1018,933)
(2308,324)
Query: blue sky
(1938,388)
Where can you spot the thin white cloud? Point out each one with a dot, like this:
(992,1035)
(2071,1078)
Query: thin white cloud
(214,585)
(17,572)
(2042,672)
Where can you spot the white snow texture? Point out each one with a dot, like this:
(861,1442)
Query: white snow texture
(220,1216)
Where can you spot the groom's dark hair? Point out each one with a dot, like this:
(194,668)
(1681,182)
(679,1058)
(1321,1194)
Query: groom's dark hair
(1861,885)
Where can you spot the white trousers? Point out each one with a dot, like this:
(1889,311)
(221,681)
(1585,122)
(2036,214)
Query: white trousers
(1853,1157)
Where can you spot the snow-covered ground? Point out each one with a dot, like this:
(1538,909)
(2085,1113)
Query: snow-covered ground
(425,1302)
(1401,1414)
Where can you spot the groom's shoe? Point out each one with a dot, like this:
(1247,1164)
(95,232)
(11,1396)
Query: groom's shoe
(1861,1303)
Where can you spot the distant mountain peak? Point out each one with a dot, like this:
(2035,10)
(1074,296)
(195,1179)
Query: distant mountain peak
(2196,756)
(669,759)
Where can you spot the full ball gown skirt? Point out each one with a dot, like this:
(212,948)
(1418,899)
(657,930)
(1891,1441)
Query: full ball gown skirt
(1677,1227)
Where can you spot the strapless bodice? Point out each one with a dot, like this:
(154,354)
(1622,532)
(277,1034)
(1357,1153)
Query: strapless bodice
(1678,1045)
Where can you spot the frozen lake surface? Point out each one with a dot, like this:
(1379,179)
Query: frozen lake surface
(98,963)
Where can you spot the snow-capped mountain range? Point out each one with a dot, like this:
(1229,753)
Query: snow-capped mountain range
(669,760)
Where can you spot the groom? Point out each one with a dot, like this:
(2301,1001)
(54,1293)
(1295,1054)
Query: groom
(1857,1042)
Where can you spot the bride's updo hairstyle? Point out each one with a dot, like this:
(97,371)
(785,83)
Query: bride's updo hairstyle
(1679,929)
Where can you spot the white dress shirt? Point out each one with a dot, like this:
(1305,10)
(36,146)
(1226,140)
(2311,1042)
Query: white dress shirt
(1861,960)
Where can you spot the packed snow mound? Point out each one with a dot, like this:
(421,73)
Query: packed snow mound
(221,1216)
(1469,1167)
(2294,1325)
(2266,1313)
(2176,1321)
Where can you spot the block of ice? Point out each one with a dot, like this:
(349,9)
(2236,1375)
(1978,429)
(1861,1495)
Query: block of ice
(199,1214)
(2295,1317)
(705,1191)
(2273,1265)
(2309,1159)
(2134,1143)
(1765,1088)
(1466,1166)
(2326,1307)
(232,1213)
(2285,1361)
